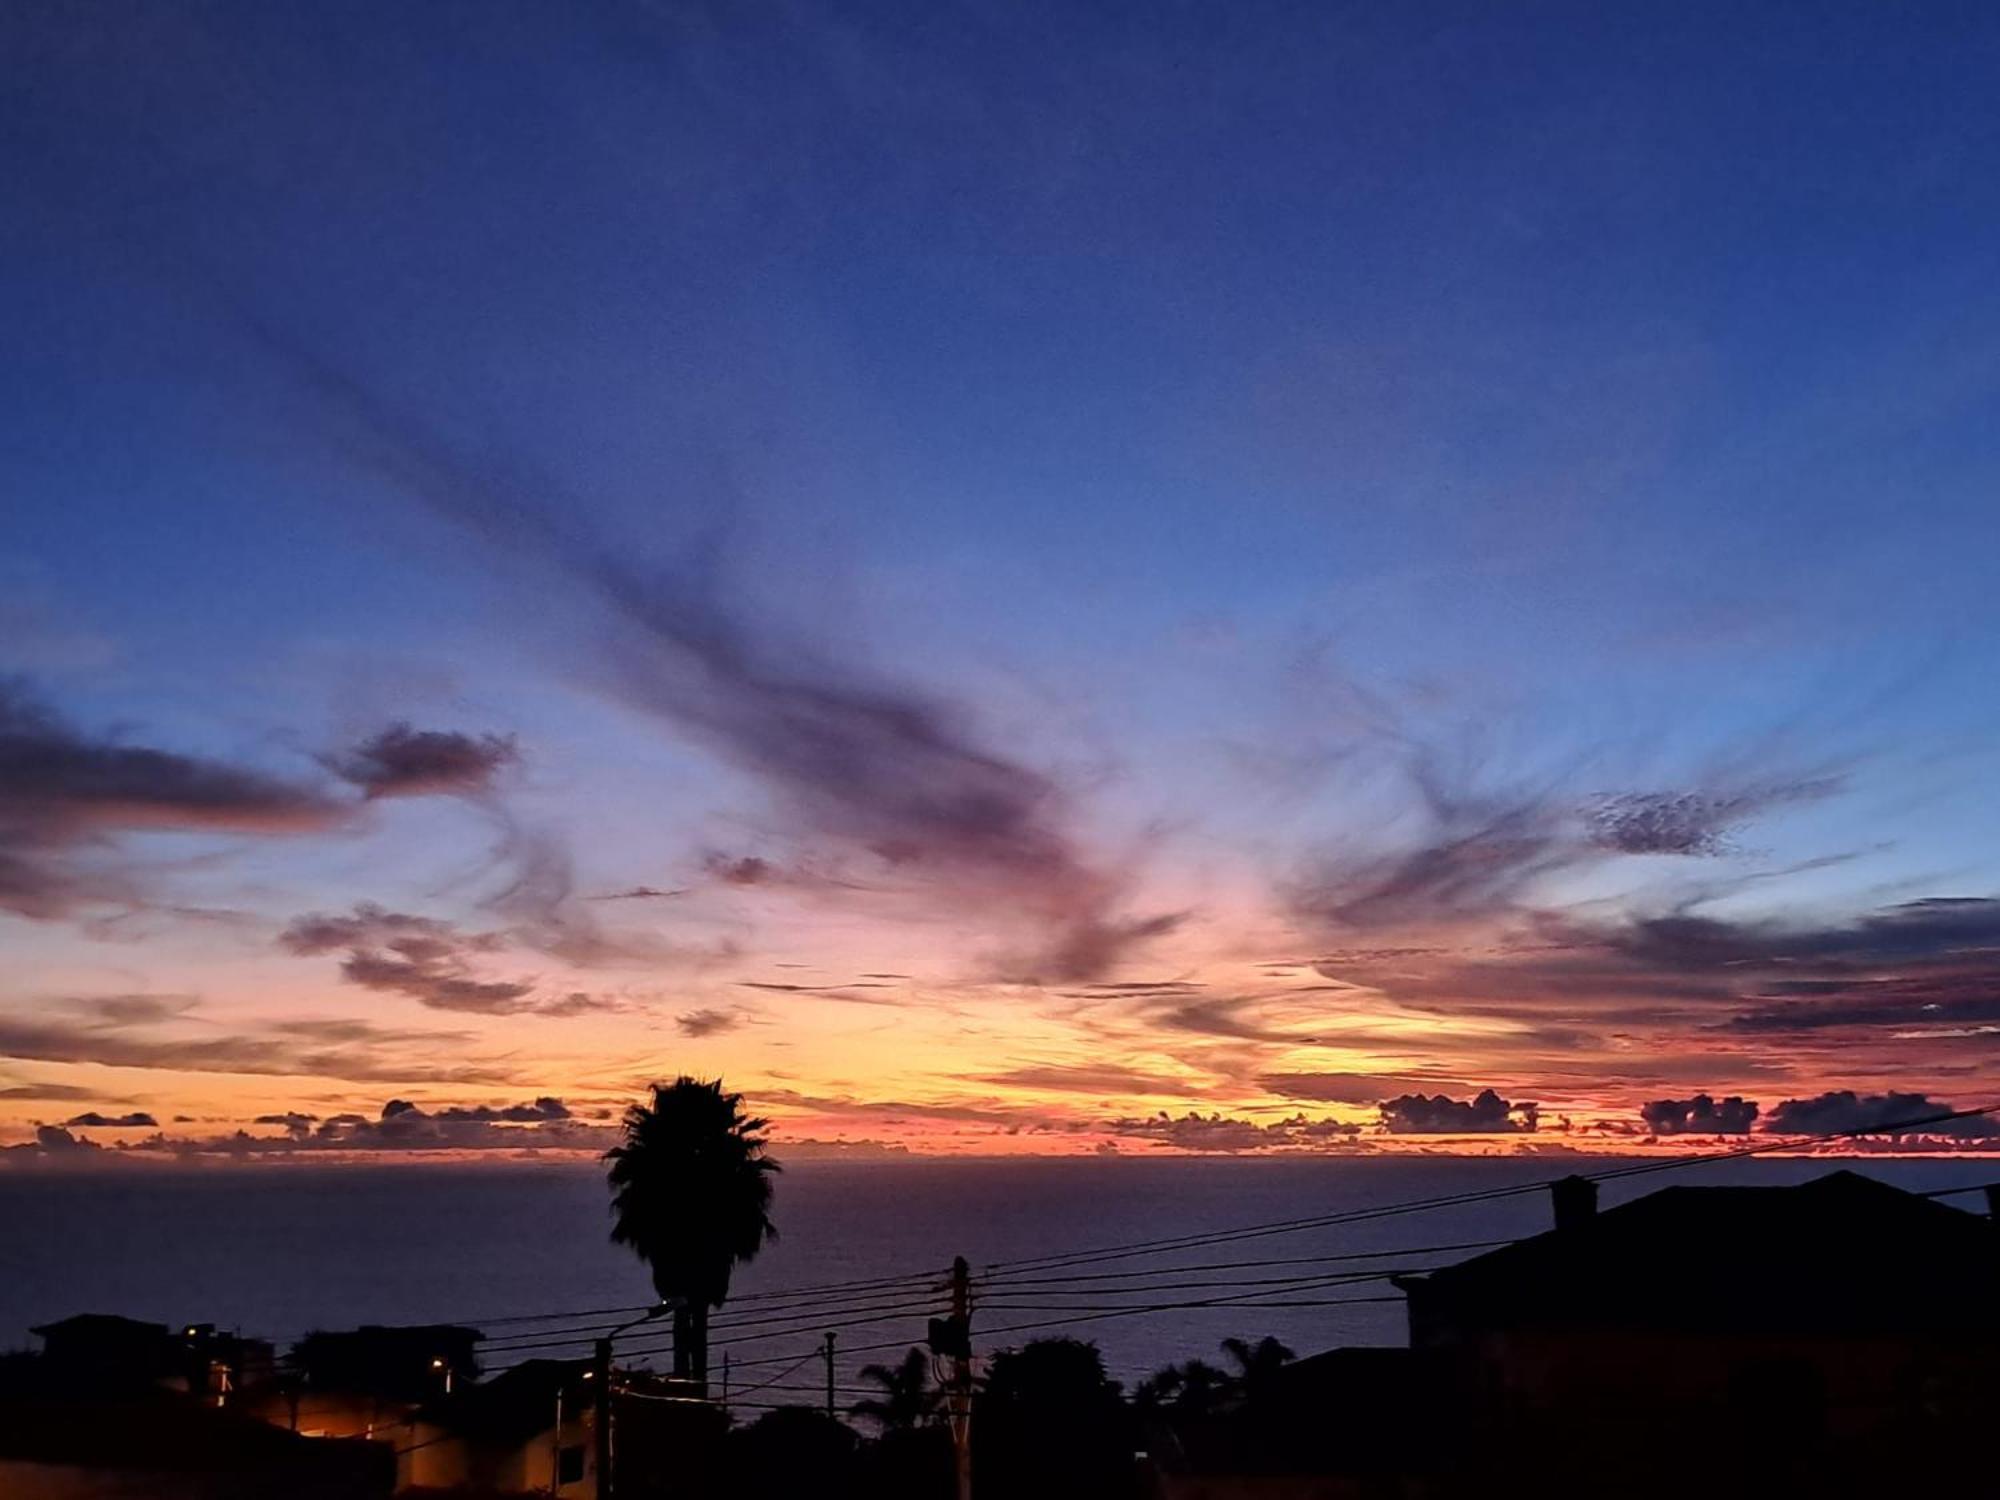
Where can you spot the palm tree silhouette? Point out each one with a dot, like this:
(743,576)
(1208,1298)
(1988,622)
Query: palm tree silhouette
(1192,1388)
(691,1196)
(1256,1364)
(909,1397)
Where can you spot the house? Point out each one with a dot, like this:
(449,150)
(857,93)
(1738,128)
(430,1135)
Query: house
(370,1381)
(527,1431)
(112,1351)
(1832,1334)
(1835,1337)
(66,1432)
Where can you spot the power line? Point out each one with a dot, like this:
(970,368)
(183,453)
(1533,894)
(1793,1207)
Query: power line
(1233,1265)
(1450,1200)
(1124,1312)
(541,1338)
(1149,1289)
(1010,1273)
(771,1295)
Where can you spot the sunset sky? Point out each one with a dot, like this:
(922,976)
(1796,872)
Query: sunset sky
(1006,577)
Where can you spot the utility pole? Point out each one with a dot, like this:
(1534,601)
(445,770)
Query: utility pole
(600,1375)
(555,1445)
(829,1379)
(961,1374)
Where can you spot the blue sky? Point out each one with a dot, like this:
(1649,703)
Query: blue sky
(1215,412)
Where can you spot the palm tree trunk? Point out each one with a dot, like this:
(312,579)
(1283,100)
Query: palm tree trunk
(683,1341)
(698,1321)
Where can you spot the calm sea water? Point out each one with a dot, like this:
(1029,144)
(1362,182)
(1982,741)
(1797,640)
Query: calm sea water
(275,1251)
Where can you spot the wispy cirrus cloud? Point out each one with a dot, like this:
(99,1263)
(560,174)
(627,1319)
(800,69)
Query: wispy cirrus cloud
(1480,853)
(862,767)
(353,1050)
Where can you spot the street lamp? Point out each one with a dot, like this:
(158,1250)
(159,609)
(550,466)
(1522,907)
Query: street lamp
(600,1371)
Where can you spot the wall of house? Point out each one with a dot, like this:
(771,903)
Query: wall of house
(1612,1394)
(438,1459)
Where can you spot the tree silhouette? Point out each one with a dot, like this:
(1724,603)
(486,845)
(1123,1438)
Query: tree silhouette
(1049,1424)
(691,1196)
(1257,1364)
(1193,1388)
(909,1396)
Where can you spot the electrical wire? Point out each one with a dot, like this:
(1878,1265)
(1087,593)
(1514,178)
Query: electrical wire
(540,1338)
(1233,1265)
(1065,1259)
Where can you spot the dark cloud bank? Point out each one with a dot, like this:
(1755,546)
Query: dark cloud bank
(68,797)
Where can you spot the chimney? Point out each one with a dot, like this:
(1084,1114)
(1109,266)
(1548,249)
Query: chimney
(1575,1201)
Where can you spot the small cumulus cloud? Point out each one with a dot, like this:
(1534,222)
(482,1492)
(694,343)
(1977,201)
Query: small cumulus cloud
(95,1120)
(404,762)
(1700,1115)
(1486,1113)
(707,1022)
(1219,1133)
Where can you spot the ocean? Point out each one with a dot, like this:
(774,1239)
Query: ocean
(275,1251)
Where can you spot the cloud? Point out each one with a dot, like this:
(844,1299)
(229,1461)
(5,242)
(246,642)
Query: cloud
(66,796)
(542,911)
(708,1022)
(434,982)
(1844,1110)
(1333,1088)
(101,1121)
(1926,964)
(1087,1078)
(1222,1133)
(347,1049)
(864,768)
(545,1124)
(427,960)
(52,1141)
(1483,851)
(1692,823)
(405,762)
(1701,1115)
(637,893)
(55,1140)
(745,869)
(1439,1114)
(546,1107)
(52,1092)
